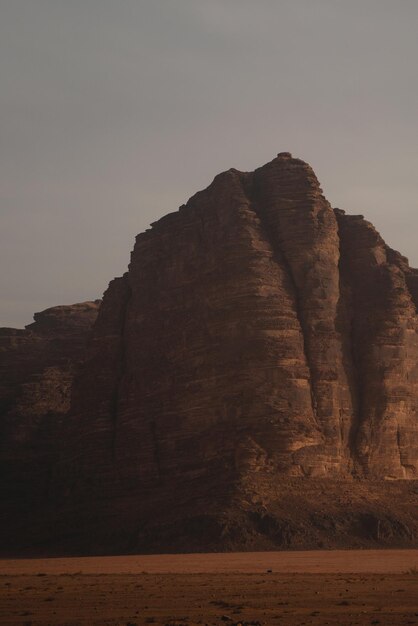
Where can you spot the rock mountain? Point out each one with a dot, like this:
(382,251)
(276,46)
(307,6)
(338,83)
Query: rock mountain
(250,382)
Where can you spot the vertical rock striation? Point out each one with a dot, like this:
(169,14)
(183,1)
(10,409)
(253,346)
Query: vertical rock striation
(259,334)
(261,348)
(379,289)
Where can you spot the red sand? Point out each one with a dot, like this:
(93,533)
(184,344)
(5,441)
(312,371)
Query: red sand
(319,561)
(326,588)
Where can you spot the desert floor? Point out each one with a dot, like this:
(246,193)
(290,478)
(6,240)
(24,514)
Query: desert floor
(333,588)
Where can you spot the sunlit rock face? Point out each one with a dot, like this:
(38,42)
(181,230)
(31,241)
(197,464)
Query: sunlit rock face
(259,339)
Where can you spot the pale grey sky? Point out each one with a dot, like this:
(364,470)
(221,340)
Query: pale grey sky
(114,112)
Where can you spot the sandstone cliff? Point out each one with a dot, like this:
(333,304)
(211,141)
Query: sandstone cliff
(251,381)
(37,367)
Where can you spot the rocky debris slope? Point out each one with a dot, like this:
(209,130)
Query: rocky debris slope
(37,367)
(261,345)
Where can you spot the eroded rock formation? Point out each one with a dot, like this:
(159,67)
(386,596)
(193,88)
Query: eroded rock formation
(37,366)
(261,345)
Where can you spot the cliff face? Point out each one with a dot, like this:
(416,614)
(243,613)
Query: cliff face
(381,302)
(261,351)
(37,367)
(259,335)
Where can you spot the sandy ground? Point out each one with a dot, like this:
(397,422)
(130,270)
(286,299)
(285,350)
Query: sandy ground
(307,562)
(331,588)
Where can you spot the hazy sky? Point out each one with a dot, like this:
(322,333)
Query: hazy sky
(114,112)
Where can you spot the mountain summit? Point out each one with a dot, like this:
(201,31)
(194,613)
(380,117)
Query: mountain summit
(251,381)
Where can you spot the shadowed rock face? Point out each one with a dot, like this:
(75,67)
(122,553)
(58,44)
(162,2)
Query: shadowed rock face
(37,367)
(260,337)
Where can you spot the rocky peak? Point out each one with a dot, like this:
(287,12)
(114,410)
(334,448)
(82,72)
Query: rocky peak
(259,339)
